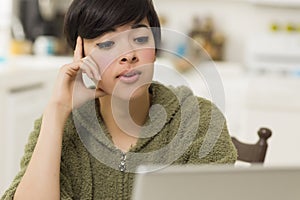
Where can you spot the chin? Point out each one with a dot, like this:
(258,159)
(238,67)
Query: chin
(140,92)
(132,92)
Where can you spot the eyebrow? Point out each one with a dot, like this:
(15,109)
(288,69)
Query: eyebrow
(135,26)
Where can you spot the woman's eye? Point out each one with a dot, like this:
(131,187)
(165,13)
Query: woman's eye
(141,40)
(106,45)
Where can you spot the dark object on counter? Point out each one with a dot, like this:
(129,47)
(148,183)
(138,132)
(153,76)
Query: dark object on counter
(43,18)
(35,24)
(204,33)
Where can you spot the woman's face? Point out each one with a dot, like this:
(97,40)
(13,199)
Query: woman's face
(124,57)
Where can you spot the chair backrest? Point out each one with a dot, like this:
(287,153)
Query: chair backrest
(253,153)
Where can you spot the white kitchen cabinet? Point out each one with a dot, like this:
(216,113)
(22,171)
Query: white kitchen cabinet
(23,107)
(21,104)
(277,3)
(25,87)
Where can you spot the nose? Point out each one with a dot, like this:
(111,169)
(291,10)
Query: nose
(129,58)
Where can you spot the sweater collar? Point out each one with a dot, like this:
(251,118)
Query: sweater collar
(164,104)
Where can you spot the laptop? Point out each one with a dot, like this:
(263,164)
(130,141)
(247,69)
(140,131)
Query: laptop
(218,183)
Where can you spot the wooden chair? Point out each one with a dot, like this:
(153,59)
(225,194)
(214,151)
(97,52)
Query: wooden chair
(253,153)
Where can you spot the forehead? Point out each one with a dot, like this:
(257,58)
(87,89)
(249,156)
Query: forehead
(131,25)
(124,28)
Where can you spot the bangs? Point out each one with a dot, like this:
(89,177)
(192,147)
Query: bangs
(92,18)
(112,14)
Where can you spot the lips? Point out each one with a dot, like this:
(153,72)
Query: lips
(129,76)
(129,73)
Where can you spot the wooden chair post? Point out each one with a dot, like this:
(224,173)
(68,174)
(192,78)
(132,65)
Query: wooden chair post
(264,134)
(253,153)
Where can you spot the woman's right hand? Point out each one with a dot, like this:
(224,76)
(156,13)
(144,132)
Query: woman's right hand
(69,90)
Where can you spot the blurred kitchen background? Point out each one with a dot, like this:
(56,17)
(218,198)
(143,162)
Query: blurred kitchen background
(255,45)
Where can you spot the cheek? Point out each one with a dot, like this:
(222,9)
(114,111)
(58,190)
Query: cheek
(103,59)
(147,55)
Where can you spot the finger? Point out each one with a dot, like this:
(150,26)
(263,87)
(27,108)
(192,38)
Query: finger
(95,67)
(70,69)
(79,76)
(88,61)
(78,49)
(86,69)
(75,67)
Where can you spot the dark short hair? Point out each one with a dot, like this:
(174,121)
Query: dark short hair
(92,18)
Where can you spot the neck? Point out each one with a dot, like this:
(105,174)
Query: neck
(125,116)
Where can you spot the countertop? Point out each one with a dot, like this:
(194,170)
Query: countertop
(20,70)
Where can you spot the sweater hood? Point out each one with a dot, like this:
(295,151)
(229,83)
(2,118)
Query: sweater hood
(165,104)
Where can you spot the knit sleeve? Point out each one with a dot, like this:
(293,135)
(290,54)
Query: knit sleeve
(66,190)
(213,143)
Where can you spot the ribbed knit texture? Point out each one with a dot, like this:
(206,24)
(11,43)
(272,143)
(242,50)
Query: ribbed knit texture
(189,130)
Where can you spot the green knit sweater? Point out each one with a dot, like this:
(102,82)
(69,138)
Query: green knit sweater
(188,130)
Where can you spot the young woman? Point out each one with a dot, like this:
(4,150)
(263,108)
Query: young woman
(89,142)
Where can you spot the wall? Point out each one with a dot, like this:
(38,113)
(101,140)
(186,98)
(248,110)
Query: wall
(237,19)
(5,17)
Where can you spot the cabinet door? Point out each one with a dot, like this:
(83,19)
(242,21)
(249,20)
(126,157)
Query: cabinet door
(23,106)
